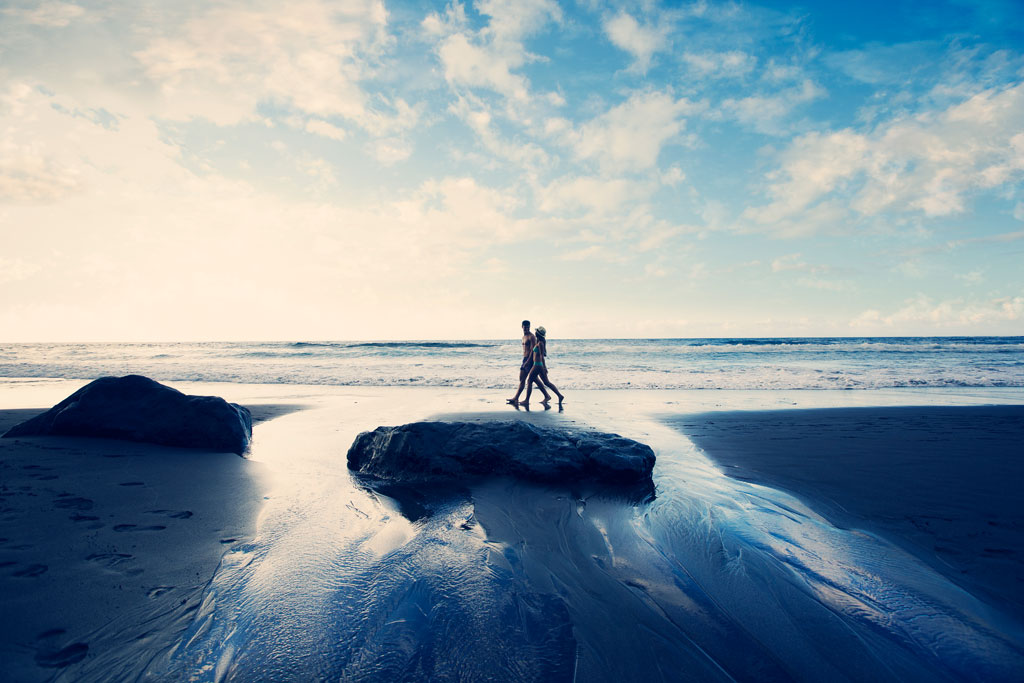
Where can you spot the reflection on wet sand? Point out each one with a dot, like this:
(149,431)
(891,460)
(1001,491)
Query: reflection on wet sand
(715,579)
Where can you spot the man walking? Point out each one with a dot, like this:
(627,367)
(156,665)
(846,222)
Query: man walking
(529,342)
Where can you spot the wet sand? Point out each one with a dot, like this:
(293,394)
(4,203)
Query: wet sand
(944,482)
(715,579)
(106,541)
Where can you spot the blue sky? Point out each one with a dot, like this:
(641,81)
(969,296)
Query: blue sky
(371,170)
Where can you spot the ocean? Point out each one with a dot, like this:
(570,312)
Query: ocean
(727,363)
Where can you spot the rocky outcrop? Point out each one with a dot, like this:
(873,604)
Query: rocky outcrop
(447,451)
(136,408)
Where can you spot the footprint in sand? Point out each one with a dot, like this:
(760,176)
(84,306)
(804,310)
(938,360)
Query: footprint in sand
(174,514)
(136,527)
(158,591)
(51,633)
(71,654)
(31,571)
(82,518)
(110,560)
(120,563)
(73,503)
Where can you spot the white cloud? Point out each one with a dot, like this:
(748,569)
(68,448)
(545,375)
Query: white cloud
(319,170)
(673,176)
(597,195)
(911,268)
(764,113)
(595,252)
(222,63)
(489,58)
(795,262)
(923,313)
(656,270)
(29,174)
(730,64)
(391,150)
(928,164)
(879,64)
(699,271)
(495,265)
(639,40)
(630,136)
(1018,211)
(481,121)
(32,169)
(868,318)
(16,270)
(829,285)
(657,235)
(478,67)
(999,238)
(972,278)
(461,210)
(557,125)
(481,64)
(327,130)
(513,20)
(53,14)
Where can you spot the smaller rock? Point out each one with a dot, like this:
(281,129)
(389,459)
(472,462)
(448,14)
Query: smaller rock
(136,408)
(447,451)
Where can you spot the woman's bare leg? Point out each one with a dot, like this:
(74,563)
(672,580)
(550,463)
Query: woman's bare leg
(547,396)
(544,377)
(531,380)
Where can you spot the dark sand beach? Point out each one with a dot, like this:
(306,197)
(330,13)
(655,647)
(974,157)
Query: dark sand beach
(105,541)
(944,482)
(131,561)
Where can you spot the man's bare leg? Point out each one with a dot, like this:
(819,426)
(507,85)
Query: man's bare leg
(523,375)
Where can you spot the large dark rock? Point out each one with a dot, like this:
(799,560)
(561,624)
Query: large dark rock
(446,451)
(136,408)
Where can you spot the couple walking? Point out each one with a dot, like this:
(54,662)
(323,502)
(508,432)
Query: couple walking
(533,370)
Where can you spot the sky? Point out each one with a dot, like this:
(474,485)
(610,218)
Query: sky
(359,169)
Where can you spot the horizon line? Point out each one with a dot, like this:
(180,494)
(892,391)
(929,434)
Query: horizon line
(492,339)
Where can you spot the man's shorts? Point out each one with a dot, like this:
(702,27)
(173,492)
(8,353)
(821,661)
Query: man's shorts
(525,368)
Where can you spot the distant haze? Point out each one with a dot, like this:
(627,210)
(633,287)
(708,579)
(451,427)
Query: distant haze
(199,170)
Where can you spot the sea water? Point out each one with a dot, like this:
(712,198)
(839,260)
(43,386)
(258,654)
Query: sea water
(738,363)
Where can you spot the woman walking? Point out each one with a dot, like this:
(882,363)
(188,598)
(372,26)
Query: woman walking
(540,370)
